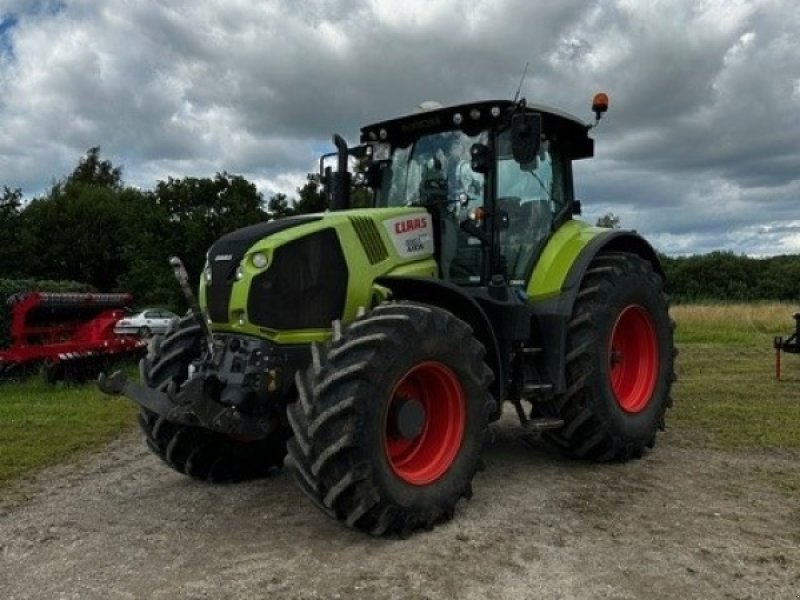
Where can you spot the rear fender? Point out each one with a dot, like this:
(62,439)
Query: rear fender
(554,302)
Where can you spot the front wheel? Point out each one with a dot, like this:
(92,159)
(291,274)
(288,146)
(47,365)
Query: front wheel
(619,362)
(194,451)
(391,419)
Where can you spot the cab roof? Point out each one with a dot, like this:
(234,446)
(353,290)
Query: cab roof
(571,133)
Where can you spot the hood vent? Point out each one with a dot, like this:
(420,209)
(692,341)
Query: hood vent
(370,239)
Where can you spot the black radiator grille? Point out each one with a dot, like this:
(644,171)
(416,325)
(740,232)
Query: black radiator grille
(305,287)
(218,292)
(226,254)
(370,239)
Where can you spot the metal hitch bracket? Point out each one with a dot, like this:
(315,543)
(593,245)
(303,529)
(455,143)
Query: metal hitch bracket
(188,406)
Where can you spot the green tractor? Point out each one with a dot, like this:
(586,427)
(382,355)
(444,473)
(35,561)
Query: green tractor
(376,345)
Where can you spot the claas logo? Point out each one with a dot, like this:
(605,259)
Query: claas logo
(410,225)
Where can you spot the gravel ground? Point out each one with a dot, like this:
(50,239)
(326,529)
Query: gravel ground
(681,523)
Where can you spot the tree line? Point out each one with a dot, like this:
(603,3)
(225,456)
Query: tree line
(92,228)
(723,276)
(728,277)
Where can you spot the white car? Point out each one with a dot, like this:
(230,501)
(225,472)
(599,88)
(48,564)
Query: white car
(145,322)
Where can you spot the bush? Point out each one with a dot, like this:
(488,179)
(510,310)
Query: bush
(726,277)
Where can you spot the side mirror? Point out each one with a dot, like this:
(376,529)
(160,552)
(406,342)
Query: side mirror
(526,136)
(481,160)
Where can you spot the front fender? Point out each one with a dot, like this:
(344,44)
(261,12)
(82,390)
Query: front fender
(451,298)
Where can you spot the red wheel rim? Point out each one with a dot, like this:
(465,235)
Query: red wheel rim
(633,359)
(425,456)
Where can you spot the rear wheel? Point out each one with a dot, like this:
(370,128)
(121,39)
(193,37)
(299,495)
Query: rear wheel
(195,451)
(620,362)
(391,419)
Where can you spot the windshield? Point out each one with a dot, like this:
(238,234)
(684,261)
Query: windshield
(435,167)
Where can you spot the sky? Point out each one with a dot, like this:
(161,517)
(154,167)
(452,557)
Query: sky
(700,149)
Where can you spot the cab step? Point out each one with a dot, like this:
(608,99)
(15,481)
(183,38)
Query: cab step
(541,424)
(531,350)
(536,389)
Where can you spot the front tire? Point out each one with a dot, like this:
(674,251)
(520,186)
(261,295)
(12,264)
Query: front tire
(195,451)
(391,419)
(620,362)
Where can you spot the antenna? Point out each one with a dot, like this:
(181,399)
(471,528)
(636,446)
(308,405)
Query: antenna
(521,81)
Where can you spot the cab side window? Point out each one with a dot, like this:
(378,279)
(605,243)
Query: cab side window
(531,195)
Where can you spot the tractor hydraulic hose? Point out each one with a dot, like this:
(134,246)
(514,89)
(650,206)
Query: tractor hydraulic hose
(183,279)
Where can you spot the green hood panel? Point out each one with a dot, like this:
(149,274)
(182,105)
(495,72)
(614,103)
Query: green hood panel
(374,242)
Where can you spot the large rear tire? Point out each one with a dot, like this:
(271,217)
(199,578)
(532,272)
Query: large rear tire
(620,362)
(391,419)
(194,451)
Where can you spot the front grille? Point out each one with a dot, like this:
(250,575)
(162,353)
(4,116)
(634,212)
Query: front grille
(370,239)
(232,247)
(305,287)
(218,292)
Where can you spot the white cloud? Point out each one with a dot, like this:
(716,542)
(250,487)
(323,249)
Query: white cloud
(700,142)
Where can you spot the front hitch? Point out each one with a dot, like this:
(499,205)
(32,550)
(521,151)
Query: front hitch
(237,388)
(190,405)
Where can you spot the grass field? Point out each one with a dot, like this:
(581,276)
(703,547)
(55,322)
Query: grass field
(726,395)
(726,390)
(42,425)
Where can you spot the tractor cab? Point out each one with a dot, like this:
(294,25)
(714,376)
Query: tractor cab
(495,175)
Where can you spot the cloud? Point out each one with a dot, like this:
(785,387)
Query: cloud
(699,147)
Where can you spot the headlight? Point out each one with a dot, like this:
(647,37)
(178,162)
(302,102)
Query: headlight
(260,260)
(207,272)
(239,273)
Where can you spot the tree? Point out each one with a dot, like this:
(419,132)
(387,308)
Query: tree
(609,220)
(278,206)
(11,236)
(79,232)
(93,171)
(10,201)
(200,211)
(311,198)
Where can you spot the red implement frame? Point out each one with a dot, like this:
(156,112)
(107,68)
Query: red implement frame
(55,328)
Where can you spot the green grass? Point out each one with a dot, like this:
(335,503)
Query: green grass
(726,389)
(42,425)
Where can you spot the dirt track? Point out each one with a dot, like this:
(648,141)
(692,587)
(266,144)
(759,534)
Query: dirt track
(681,523)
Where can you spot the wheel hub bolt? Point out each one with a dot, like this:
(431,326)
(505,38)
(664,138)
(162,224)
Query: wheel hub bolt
(409,417)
